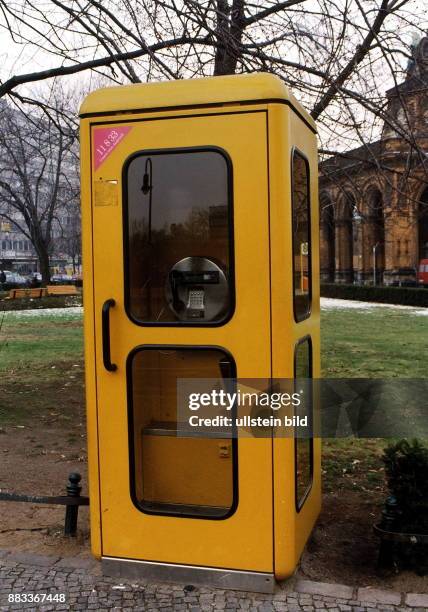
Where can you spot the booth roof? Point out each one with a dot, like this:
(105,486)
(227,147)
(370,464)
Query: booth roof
(190,93)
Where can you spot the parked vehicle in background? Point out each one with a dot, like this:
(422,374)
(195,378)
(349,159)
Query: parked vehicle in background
(32,277)
(423,273)
(61,279)
(13,278)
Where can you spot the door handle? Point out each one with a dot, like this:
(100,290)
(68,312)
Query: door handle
(111,367)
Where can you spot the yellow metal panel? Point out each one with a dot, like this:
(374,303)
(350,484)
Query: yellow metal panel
(265,533)
(287,130)
(192,93)
(90,371)
(305,141)
(171,476)
(126,531)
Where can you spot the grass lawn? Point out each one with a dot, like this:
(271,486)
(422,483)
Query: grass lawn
(42,354)
(29,341)
(42,419)
(378,343)
(375,343)
(41,361)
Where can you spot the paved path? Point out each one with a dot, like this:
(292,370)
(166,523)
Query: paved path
(78,585)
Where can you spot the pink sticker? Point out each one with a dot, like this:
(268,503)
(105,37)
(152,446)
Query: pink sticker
(106,140)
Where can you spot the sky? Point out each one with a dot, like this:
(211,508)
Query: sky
(16,59)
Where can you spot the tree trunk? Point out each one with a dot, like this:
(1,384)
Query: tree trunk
(230,27)
(43,257)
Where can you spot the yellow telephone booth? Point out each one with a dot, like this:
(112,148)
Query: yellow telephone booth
(200,246)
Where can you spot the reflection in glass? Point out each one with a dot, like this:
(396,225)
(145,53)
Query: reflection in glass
(176,207)
(301,237)
(304,446)
(190,474)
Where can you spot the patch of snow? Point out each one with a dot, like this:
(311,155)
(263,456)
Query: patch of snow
(326,304)
(73,311)
(335,304)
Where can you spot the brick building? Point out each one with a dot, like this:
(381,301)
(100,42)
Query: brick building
(374,199)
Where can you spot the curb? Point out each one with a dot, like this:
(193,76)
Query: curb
(341,594)
(87,564)
(360,596)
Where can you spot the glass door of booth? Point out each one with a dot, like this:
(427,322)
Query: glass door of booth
(181,291)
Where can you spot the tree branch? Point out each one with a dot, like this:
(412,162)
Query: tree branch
(275,8)
(356,59)
(32,77)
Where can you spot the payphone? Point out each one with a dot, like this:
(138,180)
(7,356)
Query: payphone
(200,217)
(197,288)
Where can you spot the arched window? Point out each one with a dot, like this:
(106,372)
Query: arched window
(327,239)
(375,234)
(348,237)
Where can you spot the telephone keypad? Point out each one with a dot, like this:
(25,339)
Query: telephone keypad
(196,299)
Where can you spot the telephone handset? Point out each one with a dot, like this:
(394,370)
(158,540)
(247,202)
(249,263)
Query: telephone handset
(197,290)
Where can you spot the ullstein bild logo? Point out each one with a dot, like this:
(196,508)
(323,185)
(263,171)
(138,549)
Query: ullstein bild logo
(248,421)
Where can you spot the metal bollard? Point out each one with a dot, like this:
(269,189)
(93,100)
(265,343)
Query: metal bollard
(71,512)
(388,559)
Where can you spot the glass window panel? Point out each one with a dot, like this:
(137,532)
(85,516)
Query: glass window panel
(301,237)
(178,237)
(304,446)
(181,475)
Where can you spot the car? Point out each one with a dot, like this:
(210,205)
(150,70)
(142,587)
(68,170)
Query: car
(13,278)
(62,279)
(423,273)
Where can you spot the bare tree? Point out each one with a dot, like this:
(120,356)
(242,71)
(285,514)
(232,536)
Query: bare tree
(339,56)
(337,53)
(68,241)
(38,175)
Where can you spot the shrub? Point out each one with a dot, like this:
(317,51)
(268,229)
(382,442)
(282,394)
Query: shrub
(408,296)
(406,469)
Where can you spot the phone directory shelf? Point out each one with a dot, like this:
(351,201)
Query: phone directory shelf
(182,430)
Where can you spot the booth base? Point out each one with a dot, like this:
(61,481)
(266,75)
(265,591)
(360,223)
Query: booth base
(258,582)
